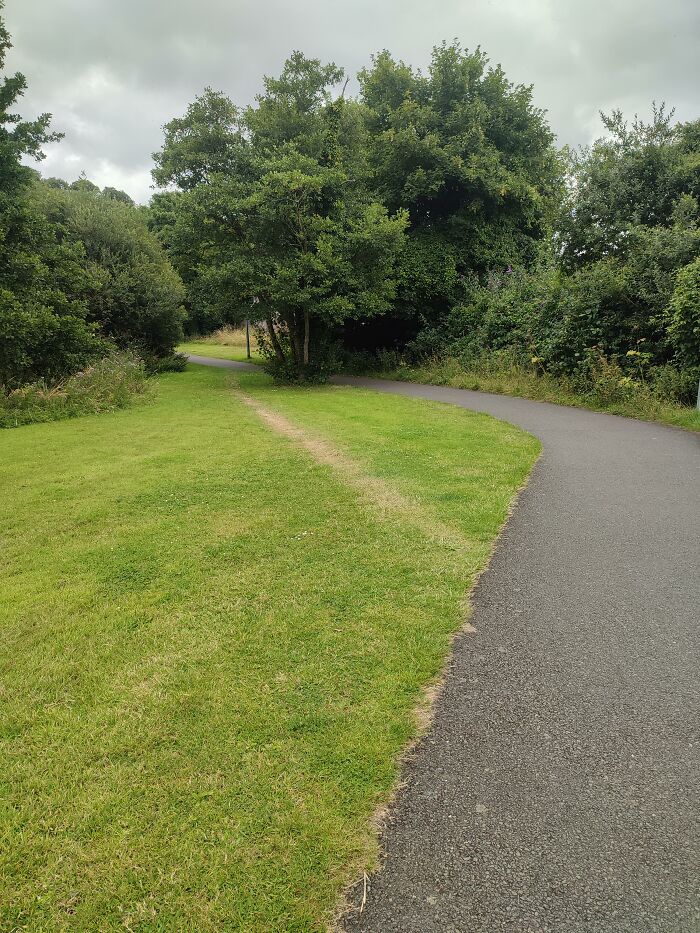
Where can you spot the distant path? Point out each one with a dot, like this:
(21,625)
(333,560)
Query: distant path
(221,364)
(559,787)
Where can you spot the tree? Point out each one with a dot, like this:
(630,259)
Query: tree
(635,176)
(210,139)
(84,184)
(685,316)
(116,194)
(471,159)
(286,227)
(44,331)
(136,298)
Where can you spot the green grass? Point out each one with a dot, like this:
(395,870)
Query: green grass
(519,381)
(117,381)
(219,351)
(213,648)
(227,343)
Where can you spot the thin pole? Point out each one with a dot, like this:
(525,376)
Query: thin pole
(247,338)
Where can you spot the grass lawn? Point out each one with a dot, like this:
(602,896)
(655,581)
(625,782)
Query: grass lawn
(226,344)
(214,645)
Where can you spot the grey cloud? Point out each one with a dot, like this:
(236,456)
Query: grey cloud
(113,72)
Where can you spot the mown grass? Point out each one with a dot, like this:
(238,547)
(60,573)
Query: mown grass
(213,647)
(228,343)
(508,379)
(519,381)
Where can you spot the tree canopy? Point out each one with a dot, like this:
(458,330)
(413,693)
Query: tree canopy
(79,270)
(286,227)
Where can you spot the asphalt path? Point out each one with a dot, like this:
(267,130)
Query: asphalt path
(559,786)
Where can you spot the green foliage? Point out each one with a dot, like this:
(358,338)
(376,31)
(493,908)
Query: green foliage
(290,212)
(294,239)
(208,140)
(611,310)
(294,106)
(638,175)
(684,330)
(79,271)
(173,362)
(137,296)
(44,331)
(470,158)
(109,384)
(115,194)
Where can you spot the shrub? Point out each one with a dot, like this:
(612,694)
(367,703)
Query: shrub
(136,297)
(38,340)
(111,383)
(325,359)
(170,363)
(684,330)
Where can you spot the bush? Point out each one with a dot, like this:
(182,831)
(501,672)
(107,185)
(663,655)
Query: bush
(170,363)
(137,296)
(111,383)
(288,372)
(40,341)
(684,329)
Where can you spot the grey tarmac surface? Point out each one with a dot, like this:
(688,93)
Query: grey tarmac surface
(219,364)
(558,789)
(559,786)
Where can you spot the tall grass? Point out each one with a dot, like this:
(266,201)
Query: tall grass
(109,384)
(228,336)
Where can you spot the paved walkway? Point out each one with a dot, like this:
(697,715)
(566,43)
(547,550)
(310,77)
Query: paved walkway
(559,787)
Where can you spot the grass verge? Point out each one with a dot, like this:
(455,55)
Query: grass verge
(518,381)
(116,381)
(214,645)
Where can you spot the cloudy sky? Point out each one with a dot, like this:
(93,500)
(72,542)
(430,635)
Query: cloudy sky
(113,71)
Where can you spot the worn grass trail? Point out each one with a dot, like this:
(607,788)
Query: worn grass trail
(213,647)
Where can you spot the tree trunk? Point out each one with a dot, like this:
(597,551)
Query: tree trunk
(307,329)
(276,346)
(295,338)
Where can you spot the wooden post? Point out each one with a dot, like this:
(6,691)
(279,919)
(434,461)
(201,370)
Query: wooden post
(247,338)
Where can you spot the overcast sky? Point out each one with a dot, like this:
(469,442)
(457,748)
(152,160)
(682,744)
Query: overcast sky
(113,71)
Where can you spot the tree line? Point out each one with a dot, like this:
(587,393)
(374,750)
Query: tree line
(434,214)
(80,272)
(431,213)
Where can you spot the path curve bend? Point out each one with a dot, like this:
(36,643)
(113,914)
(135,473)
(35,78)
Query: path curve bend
(558,789)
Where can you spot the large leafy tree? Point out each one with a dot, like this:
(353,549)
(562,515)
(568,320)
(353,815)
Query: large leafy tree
(288,231)
(470,158)
(44,331)
(638,175)
(136,295)
(209,140)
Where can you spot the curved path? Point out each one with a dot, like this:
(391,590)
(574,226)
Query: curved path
(559,787)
